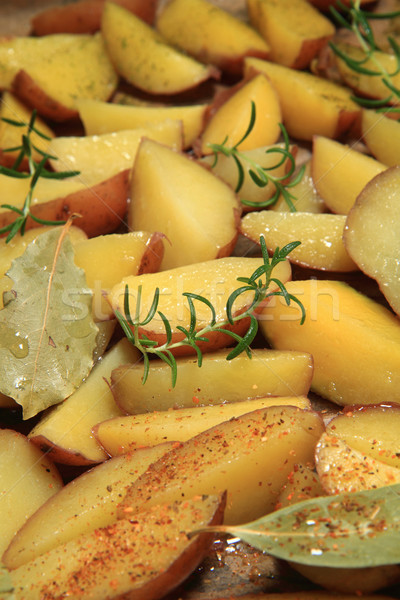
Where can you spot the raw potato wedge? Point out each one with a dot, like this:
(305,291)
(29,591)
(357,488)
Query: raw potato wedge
(84,16)
(372,430)
(142,57)
(206,211)
(51,72)
(11,136)
(105,117)
(132,432)
(341,468)
(83,505)
(355,361)
(66,431)
(210,34)
(382,137)
(249,456)
(266,157)
(215,280)
(294,30)
(230,121)
(27,479)
(320,236)
(140,560)
(340,173)
(267,373)
(372,233)
(133,254)
(310,105)
(114,152)
(99,208)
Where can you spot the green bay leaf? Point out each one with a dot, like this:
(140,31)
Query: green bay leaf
(360,529)
(47,333)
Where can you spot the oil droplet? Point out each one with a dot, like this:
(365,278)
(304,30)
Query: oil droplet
(14,341)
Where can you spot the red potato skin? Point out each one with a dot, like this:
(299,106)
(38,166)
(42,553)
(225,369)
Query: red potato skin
(151,259)
(326,4)
(85,16)
(31,94)
(101,208)
(61,455)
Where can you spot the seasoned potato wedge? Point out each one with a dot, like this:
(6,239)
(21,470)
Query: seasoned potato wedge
(131,432)
(84,504)
(138,559)
(267,373)
(84,16)
(27,479)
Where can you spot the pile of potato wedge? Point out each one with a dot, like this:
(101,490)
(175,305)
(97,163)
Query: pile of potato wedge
(133,94)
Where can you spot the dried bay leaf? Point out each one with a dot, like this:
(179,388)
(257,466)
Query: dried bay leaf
(47,333)
(359,529)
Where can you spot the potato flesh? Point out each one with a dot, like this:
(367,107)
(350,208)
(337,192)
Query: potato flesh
(127,433)
(205,223)
(86,503)
(356,360)
(376,216)
(382,137)
(309,104)
(141,560)
(305,195)
(249,456)
(294,30)
(320,236)
(268,373)
(66,430)
(27,479)
(340,173)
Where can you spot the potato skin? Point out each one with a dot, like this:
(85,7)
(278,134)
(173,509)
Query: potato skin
(101,208)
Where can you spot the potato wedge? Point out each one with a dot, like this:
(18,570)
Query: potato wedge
(302,484)
(249,456)
(125,434)
(209,33)
(294,30)
(206,210)
(84,16)
(342,468)
(382,137)
(340,173)
(305,195)
(65,432)
(40,75)
(114,152)
(11,136)
(27,479)
(231,119)
(215,280)
(366,371)
(267,373)
(372,231)
(83,505)
(105,117)
(143,58)
(320,236)
(133,254)
(310,105)
(141,560)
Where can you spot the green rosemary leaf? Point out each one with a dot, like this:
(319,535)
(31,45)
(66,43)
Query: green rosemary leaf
(204,301)
(45,221)
(260,178)
(340,19)
(193,318)
(284,155)
(126,304)
(240,173)
(250,125)
(12,173)
(146,368)
(13,208)
(246,339)
(124,324)
(147,342)
(286,250)
(232,298)
(270,202)
(167,327)
(283,291)
(301,306)
(169,358)
(58,174)
(153,308)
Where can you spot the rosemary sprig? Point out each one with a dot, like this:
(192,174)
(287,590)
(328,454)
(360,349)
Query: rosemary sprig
(258,283)
(36,170)
(262,176)
(355,19)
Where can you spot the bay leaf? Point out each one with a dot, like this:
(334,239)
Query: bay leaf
(47,333)
(359,529)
